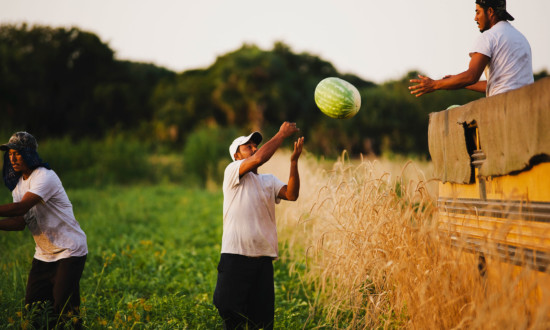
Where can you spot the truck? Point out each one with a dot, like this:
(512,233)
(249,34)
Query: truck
(492,160)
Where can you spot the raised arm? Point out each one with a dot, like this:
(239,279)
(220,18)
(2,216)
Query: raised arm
(268,149)
(467,79)
(291,191)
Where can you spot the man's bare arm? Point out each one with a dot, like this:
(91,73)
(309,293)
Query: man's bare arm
(480,86)
(292,190)
(268,149)
(470,77)
(20,208)
(12,224)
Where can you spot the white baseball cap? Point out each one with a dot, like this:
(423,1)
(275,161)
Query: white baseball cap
(256,137)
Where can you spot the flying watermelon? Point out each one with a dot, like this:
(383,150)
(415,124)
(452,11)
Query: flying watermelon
(337,98)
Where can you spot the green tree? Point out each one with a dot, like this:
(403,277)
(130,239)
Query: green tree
(249,88)
(58,81)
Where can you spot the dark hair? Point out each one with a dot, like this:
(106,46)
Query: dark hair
(499,12)
(32,160)
(499,7)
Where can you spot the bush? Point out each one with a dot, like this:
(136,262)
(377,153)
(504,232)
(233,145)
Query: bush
(114,160)
(206,153)
(119,159)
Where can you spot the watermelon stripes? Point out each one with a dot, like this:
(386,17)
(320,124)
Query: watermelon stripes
(337,98)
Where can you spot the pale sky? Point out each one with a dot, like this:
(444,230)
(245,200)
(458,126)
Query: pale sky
(376,40)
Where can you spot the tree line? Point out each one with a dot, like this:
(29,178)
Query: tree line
(65,82)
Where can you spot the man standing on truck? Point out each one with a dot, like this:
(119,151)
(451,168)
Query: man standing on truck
(501,50)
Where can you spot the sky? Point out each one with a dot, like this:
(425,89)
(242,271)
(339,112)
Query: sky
(375,40)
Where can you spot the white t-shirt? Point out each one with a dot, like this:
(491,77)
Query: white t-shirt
(249,226)
(51,222)
(510,66)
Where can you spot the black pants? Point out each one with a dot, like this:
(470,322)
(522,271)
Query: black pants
(245,294)
(57,282)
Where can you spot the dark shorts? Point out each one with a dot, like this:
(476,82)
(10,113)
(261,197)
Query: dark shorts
(57,282)
(245,294)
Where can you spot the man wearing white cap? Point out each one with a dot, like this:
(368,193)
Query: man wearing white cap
(244,294)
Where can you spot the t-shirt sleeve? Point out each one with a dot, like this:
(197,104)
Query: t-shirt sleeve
(482,45)
(231,174)
(45,184)
(277,185)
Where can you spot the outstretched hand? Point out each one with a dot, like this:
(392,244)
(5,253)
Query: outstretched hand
(298,145)
(424,85)
(287,129)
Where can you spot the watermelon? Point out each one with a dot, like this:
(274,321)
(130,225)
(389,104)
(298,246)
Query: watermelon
(337,98)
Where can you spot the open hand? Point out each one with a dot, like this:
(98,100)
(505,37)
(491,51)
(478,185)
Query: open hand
(287,129)
(298,145)
(424,85)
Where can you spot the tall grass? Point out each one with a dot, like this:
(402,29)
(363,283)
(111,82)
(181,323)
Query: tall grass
(366,239)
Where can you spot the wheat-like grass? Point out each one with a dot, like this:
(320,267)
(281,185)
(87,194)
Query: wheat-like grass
(368,236)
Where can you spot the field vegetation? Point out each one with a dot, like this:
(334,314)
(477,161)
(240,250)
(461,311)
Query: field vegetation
(360,248)
(153,252)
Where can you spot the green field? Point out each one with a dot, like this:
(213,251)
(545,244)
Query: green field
(360,249)
(153,252)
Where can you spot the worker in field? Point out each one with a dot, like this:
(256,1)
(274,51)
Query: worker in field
(244,294)
(41,204)
(501,50)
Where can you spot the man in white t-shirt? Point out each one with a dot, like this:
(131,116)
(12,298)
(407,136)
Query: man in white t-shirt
(244,294)
(501,50)
(41,204)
